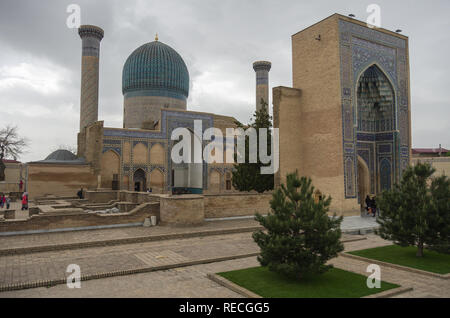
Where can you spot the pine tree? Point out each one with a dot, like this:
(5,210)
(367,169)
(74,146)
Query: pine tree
(299,236)
(416,212)
(247,176)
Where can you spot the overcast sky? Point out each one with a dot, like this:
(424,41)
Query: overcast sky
(40,57)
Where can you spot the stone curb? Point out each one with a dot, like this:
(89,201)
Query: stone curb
(130,240)
(391,292)
(404,268)
(360,231)
(232,286)
(249,294)
(54,282)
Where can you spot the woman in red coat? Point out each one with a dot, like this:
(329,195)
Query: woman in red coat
(25,202)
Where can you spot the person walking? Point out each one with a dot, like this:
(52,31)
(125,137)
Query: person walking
(25,202)
(8,202)
(374,206)
(368,204)
(80,193)
(1,200)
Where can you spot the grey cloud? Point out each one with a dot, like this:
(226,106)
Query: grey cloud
(219,39)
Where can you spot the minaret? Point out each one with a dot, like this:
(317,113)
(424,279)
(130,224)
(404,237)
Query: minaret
(90,36)
(262,69)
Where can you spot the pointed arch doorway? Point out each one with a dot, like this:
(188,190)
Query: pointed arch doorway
(140,182)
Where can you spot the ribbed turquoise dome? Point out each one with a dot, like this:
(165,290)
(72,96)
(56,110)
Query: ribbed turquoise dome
(155,69)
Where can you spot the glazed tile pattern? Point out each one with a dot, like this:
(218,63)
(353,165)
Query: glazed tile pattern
(387,153)
(155,69)
(114,140)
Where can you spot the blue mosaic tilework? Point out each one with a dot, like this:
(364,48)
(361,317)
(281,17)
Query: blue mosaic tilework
(385,174)
(155,66)
(118,150)
(156,92)
(361,47)
(385,148)
(112,142)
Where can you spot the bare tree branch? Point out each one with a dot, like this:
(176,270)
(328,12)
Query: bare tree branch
(71,148)
(11,144)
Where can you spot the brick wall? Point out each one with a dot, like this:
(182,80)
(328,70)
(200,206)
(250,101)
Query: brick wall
(239,204)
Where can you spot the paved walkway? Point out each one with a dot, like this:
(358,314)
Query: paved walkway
(25,268)
(55,238)
(191,281)
(354,223)
(350,224)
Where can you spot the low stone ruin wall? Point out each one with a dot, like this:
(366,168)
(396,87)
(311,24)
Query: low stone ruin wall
(101,196)
(61,221)
(214,205)
(236,204)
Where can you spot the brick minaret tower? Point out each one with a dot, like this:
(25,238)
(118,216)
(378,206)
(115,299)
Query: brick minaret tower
(262,69)
(91,36)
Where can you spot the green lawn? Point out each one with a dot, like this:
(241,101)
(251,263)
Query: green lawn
(406,256)
(336,283)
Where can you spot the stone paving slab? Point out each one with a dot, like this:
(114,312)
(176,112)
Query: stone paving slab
(56,238)
(52,265)
(355,224)
(192,282)
(22,244)
(189,282)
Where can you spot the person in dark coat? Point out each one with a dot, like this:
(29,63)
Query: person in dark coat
(374,207)
(368,201)
(80,193)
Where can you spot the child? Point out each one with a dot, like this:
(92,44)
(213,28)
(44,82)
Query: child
(25,202)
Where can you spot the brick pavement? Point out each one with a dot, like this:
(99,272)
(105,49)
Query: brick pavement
(188,281)
(191,282)
(52,265)
(32,267)
(55,238)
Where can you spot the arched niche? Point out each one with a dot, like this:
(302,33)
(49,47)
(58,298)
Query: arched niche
(110,167)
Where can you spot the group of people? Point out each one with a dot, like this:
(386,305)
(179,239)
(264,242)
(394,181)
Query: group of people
(5,201)
(371,206)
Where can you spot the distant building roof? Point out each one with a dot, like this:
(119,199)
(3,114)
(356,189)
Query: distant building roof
(10,161)
(429,150)
(62,156)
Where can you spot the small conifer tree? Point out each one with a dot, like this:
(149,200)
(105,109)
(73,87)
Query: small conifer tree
(247,176)
(416,212)
(298,237)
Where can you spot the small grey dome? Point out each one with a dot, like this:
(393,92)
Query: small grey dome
(61,155)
